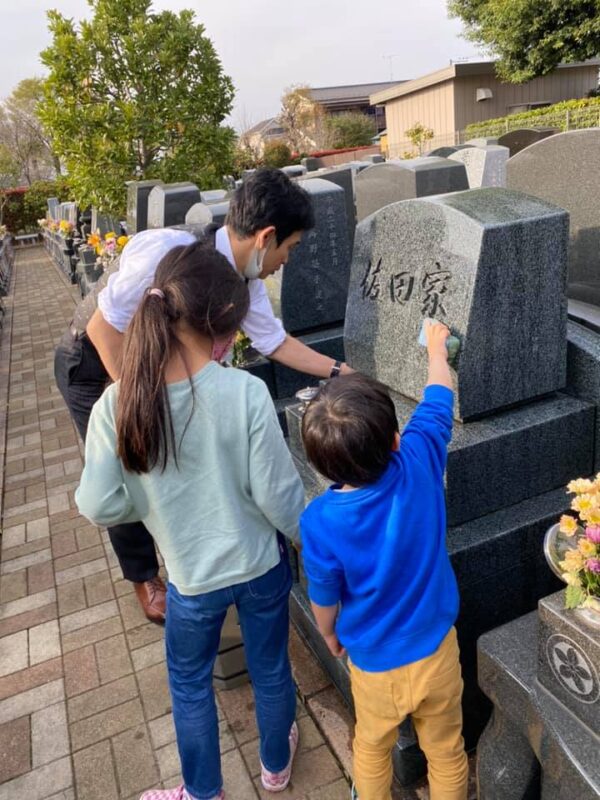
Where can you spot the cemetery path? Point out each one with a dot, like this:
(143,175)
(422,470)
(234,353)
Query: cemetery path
(84,704)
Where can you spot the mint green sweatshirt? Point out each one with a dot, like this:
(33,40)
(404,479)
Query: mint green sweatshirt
(214,516)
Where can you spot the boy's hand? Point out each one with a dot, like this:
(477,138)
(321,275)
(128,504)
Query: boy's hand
(436,334)
(335,648)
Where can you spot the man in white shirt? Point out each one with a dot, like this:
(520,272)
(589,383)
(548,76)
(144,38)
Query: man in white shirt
(267,218)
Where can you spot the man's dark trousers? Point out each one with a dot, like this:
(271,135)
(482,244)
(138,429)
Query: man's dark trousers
(81,378)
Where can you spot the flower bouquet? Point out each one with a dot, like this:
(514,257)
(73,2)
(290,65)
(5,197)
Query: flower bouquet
(66,229)
(574,545)
(107,247)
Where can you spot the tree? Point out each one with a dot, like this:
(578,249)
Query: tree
(21,132)
(9,175)
(133,94)
(276,154)
(351,129)
(531,37)
(302,119)
(418,135)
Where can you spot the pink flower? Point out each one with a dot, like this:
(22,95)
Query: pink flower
(593,533)
(593,564)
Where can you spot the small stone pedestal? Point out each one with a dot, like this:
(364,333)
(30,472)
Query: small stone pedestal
(542,741)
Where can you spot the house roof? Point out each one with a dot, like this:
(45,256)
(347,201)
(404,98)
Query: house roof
(266,126)
(456,70)
(354,92)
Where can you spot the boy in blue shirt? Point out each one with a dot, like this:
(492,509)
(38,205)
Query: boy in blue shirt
(374,549)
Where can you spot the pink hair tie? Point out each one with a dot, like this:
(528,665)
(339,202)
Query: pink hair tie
(158,293)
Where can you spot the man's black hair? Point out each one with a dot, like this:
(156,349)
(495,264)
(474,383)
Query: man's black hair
(269,197)
(348,430)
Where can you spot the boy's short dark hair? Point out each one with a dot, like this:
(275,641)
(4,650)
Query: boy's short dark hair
(348,430)
(269,197)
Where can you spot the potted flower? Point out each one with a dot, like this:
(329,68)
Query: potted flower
(572,548)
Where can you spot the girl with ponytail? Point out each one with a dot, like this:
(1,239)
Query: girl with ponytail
(195,452)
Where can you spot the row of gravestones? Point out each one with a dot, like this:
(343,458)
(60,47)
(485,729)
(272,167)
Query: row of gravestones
(493,264)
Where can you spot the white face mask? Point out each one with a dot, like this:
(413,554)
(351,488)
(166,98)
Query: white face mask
(254,266)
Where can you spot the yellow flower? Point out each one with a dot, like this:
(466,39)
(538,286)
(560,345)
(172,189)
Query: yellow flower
(122,241)
(583,503)
(581,486)
(93,240)
(570,579)
(110,235)
(568,525)
(573,561)
(593,517)
(586,548)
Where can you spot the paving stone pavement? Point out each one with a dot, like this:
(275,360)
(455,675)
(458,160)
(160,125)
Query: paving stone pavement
(84,704)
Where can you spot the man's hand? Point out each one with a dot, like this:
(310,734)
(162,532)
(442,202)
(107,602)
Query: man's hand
(334,646)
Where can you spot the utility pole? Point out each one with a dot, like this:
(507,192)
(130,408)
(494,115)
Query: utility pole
(391,63)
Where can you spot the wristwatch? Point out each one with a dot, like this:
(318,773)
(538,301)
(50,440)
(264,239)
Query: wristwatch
(335,370)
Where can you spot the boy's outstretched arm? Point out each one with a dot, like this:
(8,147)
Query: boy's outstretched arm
(326,617)
(436,334)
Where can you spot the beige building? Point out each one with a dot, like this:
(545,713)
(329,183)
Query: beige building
(451,98)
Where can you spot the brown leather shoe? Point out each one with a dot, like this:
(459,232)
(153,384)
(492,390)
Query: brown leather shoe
(152,595)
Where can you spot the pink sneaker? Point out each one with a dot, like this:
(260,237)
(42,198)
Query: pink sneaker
(278,781)
(174,794)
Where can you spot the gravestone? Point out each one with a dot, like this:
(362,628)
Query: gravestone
(68,211)
(53,205)
(137,204)
(169,203)
(104,223)
(521,138)
(355,166)
(565,170)
(344,178)
(311,163)
(294,170)
(382,184)
(311,291)
(202,214)
(482,141)
(546,707)
(374,158)
(486,166)
(444,152)
(213,196)
(491,264)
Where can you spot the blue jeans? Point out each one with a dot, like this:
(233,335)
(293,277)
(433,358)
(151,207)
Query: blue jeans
(193,630)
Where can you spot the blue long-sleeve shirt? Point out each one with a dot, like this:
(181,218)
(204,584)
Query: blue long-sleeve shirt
(380,551)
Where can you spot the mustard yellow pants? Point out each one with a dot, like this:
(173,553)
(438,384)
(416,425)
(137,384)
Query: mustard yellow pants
(430,691)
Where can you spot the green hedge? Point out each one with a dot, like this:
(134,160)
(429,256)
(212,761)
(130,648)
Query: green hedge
(26,205)
(566,115)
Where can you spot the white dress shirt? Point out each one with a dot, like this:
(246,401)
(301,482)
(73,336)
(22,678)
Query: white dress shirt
(125,288)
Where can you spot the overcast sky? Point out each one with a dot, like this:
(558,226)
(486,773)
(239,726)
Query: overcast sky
(266,46)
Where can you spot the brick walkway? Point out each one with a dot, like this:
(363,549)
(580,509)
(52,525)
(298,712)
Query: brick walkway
(84,705)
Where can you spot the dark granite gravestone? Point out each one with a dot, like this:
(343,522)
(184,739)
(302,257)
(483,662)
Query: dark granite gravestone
(169,203)
(444,152)
(137,204)
(542,741)
(382,184)
(565,170)
(521,138)
(311,163)
(213,196)
(583,373)
(104,223)
(343,177)
(53,205)
(294,170)
(202,214)
(311,291)
(374,158)
(491,264)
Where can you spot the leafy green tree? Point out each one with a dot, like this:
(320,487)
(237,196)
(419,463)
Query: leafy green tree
(418,135)
(351,129)
(9,176)
(531,37)
(133,94)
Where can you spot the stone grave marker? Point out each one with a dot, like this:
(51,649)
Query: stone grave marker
(213,196)
(344,178)
(382,184)
(486,166)
(104,223)
(53,205)
(203,214)
(521,138)
(491,264)
(374,158)
(444,152)
(311,163)
(137,204)
(311,290)
(169,203)
(565,170)
(482,141)
(294,170)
